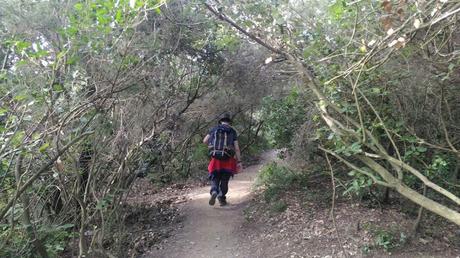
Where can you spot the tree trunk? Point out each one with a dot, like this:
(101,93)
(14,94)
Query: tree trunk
(38,246)
(412,195)
(336,126)
(386,196)
(420,214)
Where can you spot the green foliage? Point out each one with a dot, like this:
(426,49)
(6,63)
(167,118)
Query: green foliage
(260,144)
(278,206)
(282,118)
(254,145)
(389,240)
(15,243)
(337,9)
(384,238)
(348,149)
(414,152)
(124,68)
(200,151)
(443,171)
(359,183)
(57,237)
(105,202)
(226,39)
(276,179)
(442,166)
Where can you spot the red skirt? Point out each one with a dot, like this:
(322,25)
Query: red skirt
(222,166)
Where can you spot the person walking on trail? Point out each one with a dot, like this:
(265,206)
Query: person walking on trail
(222,141)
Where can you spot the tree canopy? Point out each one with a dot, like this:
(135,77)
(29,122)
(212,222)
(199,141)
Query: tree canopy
(95,93)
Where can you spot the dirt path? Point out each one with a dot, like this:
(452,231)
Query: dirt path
(212,231)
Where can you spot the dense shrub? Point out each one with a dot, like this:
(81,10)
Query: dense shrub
(283,117)
(276,179)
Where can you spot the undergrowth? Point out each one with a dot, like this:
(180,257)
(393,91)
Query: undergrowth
(276,179)
(384,238)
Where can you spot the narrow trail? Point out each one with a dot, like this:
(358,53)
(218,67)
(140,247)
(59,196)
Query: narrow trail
(213,231)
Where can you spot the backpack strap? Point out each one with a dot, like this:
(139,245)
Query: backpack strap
(215,141)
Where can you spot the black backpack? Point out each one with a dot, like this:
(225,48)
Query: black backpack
(221,144)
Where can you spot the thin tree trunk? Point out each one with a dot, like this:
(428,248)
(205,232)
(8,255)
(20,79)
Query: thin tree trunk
(82,248)
(38,246)
(456,176)
(420,214)
(386,197)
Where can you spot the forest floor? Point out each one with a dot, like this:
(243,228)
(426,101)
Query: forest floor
(177,221)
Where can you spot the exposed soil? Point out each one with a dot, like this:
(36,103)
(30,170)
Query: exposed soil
(305,229)
(152,215)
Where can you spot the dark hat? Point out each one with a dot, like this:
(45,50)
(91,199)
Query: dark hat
(225,117)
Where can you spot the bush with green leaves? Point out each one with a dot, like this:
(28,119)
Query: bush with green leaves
(359,183)
(389,240)
(278,206)
(282,118)
(276,179)
(55,239)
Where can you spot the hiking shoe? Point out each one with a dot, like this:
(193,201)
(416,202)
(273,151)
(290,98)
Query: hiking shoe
(212,201)
(222,202)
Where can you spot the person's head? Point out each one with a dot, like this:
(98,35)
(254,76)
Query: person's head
(225,118)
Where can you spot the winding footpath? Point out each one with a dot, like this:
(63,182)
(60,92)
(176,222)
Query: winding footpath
(213,231)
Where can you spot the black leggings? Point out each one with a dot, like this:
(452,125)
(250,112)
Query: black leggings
(219,184)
